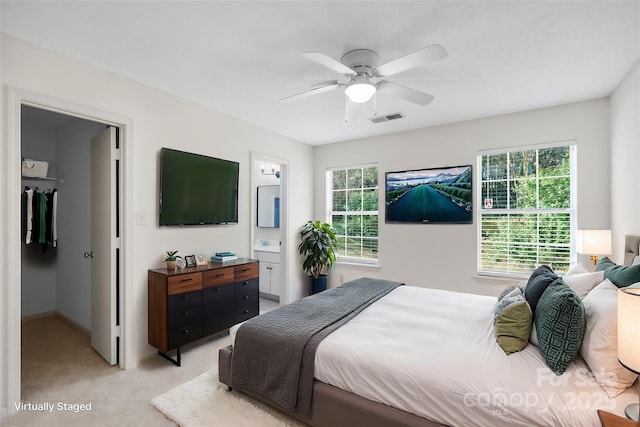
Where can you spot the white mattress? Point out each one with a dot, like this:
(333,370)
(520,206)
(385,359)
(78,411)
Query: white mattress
(433,353)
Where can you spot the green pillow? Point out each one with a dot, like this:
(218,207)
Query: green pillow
(619,275)
(513,326)
(560,324)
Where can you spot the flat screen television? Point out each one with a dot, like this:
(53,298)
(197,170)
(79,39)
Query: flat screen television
(429,196)
(197,189)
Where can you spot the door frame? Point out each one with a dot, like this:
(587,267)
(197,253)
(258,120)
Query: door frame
(284,215)
(10,304)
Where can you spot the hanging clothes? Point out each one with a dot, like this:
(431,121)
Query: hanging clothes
(54,219)
(39,222)
(42,217)
(28,214)
(35,220)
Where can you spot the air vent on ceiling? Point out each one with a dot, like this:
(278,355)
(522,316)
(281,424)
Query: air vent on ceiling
(387,117)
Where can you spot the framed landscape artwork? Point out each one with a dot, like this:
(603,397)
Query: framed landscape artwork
(429,196)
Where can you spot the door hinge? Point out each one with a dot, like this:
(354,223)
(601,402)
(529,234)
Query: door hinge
(117,153)
(116,331)
(117,243)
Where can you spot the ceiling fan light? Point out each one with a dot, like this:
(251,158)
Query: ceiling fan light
(360,90)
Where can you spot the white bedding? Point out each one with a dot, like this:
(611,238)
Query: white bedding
(433,353)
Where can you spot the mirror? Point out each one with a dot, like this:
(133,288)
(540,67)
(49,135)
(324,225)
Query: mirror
(269,206)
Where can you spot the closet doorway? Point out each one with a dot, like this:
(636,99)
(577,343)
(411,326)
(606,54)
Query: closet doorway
(73,274)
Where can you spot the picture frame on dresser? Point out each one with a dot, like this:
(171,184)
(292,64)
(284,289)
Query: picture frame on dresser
(190,260)
(201,260)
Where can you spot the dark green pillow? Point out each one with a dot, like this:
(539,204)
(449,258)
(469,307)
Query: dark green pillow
(619,275)
(560,324)
(513,326)
(539,280)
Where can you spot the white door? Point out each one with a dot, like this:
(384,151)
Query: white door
(265,277)
(275,279)
(104,243)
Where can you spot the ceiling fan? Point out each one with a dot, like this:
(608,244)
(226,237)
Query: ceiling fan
(366,77)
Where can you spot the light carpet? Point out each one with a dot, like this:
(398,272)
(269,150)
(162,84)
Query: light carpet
(204,401)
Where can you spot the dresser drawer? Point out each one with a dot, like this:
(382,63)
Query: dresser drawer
(218,293)
(247,286)
(185,334)
(184,283)
(247,271)
(182,301)
(246,300)
(246,313)
(185,317)
(218,277)
(218,323)
(217,308)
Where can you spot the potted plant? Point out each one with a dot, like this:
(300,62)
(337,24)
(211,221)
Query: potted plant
(171,259)
(318,246)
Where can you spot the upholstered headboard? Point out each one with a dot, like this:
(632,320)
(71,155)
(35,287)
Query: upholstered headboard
(631,244)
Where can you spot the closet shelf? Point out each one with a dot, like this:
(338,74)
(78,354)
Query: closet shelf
(36,178)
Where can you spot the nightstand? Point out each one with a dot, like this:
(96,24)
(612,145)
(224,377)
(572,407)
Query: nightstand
(611,420)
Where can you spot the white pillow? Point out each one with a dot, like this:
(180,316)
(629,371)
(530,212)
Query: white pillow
(533,336)
(576,269)
(581,281)
(600,344)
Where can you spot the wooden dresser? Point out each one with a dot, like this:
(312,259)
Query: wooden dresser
(192,303)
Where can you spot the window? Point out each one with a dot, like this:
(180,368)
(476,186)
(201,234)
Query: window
(527,209)
(352,210)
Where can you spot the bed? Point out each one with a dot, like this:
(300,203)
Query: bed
(425,357)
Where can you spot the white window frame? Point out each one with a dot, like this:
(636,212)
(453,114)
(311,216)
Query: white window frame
(572,210)
(342,259)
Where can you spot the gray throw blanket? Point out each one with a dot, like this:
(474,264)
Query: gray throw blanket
(273,354)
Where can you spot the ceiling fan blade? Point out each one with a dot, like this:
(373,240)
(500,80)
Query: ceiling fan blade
(405,93)
(317,88)
(329,62)
(412,60)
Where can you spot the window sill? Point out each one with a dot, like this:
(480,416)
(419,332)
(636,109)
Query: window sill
(357,264)
(502,277)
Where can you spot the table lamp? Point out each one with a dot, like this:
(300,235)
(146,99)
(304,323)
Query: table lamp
(594,243)
(629,338)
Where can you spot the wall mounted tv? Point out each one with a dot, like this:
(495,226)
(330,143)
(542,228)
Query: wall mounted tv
(197,189)
(429,196)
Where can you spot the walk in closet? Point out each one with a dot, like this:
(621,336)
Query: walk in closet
(56,276)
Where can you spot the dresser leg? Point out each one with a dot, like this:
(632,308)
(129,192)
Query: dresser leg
(175,361)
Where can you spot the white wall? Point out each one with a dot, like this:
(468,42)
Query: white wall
(625,157)
(444,256)
(161,120)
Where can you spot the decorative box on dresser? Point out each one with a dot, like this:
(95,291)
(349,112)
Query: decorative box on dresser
(192,303)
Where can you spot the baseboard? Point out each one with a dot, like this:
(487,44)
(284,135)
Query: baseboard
(271,297)
(73,323)
(42,315)
(55,313)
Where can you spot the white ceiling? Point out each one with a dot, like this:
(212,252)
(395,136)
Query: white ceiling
(240,57)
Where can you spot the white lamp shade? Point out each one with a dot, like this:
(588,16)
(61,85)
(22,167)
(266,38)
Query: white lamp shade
(360,90)
(629,328)
(594,242)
